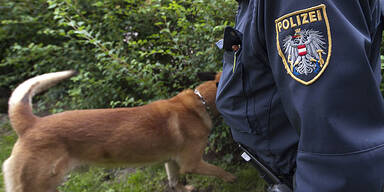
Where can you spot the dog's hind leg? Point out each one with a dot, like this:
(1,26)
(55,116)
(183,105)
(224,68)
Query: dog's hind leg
(35,172)
(173,174)
(12,184)
(49,173)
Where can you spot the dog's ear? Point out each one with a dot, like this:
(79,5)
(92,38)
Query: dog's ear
(206,76)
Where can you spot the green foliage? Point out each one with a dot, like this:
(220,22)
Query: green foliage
(144,50)
(127,52)
(7,139)
(102,180)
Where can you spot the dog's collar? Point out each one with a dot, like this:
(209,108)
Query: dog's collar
(201,97)
(203,101)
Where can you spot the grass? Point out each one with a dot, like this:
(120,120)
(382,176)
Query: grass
(148,179)
(7,139)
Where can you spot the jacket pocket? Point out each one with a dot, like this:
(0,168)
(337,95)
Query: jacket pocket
(232,100)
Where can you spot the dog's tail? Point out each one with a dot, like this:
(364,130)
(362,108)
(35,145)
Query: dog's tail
(20,102)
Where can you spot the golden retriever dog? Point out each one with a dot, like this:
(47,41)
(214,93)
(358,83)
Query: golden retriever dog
(174,131)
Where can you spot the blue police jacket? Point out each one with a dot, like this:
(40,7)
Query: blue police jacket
(307,67)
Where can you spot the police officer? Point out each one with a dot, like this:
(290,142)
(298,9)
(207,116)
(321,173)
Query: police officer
(307,73)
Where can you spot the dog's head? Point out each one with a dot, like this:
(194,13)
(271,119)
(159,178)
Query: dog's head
(208,89)
(210,76)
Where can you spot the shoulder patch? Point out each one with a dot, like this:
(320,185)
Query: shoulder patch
(304,43)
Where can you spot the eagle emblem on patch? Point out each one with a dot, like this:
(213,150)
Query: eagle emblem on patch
(304,43)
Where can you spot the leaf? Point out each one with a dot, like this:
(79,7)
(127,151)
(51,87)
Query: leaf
(98,4)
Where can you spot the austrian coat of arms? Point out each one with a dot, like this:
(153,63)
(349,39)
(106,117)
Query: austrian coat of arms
(304,43)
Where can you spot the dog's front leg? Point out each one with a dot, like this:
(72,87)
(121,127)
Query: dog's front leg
(205,168)
(173,173)
(173,178)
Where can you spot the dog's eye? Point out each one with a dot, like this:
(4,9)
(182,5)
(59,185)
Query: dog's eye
(217,84)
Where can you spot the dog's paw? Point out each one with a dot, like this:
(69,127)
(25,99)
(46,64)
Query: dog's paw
(183,188)
(189,188)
